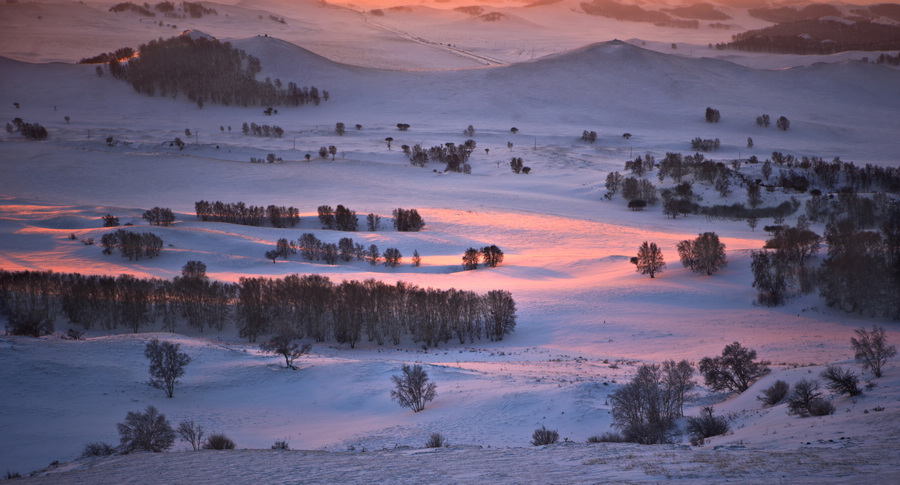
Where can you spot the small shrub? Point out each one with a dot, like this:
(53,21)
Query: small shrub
(281,445)
(841,381)
(706,425)
(608,437)
(775,393)
(74,334)
(218,441)
(820,407)
(98,449)
(544,436)
(436,440)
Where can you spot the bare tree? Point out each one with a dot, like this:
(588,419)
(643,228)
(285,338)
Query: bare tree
(191,433)
(871,349)
(412,389)
(166,364)
(644,409)
(678,379)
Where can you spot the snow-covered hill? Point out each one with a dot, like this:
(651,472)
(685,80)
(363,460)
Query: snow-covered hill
(586,319)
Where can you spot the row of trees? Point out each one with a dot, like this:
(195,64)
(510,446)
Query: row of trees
(300,306)
(312,249)
(241,213)
(341,218)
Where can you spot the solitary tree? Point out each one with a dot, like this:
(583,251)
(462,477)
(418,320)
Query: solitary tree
(783,124)
(871,349)
(736,369)
(339,128)
(649,259)
(283,344)
(166,364)
(712,115)
(707,252)
(191,433)
(412,389)
(147,431)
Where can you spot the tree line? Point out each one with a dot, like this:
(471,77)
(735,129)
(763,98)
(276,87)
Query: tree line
(341,218)
(306,306)
(241,213)
(206,70)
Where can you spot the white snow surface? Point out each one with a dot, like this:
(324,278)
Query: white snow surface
(586,320)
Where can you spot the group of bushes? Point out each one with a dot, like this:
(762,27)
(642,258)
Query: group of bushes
(151,431)
(311,305)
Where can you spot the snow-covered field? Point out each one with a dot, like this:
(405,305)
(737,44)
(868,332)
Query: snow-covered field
(586,320)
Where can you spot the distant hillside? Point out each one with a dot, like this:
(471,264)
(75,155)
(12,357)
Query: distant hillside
(780,15)
(815,36)
(633,13)
(699,11)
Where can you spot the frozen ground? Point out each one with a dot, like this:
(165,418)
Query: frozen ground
(586,319)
